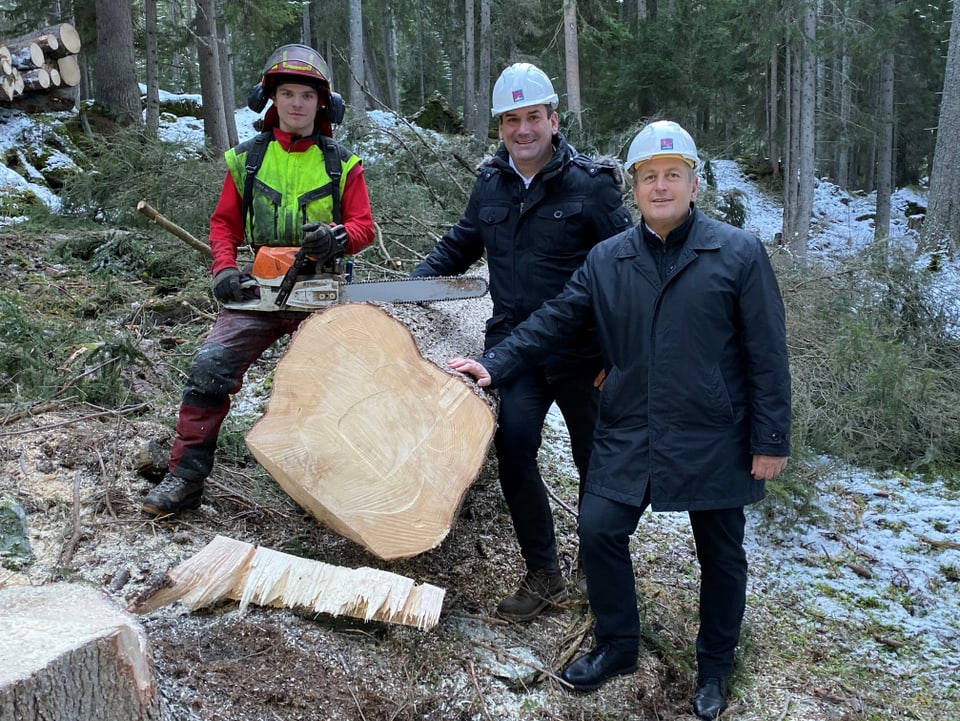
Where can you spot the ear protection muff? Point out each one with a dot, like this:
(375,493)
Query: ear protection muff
(257,99)
(335,109)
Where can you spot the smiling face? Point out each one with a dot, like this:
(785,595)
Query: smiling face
(528,134)
(663,189)
(296,107)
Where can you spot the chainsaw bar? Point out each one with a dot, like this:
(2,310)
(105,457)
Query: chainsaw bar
(322,291)
(414,290)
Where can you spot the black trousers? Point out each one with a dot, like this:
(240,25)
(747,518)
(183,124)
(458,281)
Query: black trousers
(524,403)
(605,527)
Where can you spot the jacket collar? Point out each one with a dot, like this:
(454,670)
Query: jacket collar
(703,235)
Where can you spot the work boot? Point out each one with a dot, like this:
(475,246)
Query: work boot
(172,495)
(539,589)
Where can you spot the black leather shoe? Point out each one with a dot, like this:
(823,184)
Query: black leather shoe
(592,670)
(711,698)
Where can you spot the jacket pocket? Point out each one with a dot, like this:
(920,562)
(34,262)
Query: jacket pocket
(497,234)
(560,229)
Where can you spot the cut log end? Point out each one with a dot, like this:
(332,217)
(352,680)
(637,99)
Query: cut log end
(381,445)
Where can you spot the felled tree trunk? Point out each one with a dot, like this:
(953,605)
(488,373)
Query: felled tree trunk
(368,436)
(66,653)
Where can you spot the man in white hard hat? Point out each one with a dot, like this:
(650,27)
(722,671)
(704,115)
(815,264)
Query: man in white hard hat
(536,209)
(695,409)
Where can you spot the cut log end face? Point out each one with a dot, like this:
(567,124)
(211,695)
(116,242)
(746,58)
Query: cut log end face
(373,440)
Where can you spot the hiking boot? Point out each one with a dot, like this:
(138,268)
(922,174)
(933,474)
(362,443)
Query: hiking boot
(539,589)
(172,495)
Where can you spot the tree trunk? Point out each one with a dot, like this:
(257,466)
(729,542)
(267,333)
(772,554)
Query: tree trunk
(390,59)
(846,108)
(572,59)
(806,146)
(358,101)
(75,657)
(152,67)
(469,56)
(773,113)
(941,228)
(226,81)
(885,110)
(116,71)
(452,40)
(214,117)
(482,130)
(380,445)
(790,135)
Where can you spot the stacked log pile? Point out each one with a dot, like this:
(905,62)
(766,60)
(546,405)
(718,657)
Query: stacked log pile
(40,72)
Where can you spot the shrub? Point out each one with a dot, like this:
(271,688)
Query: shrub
(875,366)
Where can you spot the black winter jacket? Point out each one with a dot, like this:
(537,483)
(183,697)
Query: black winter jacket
(534,239)
(698,379)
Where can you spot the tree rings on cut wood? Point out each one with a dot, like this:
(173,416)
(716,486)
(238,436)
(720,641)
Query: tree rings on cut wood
(373,440)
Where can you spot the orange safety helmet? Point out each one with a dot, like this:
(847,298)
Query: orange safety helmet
(301,62)
(297,63)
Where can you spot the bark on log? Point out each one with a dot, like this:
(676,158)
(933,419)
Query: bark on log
(64,35)
(226,568)
(68,37)
(66,653)
(373,440)
(36,79)
(52,100)
(8,86)
(25,55)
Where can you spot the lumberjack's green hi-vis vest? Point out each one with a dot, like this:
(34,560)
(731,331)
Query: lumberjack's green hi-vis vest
(287,189)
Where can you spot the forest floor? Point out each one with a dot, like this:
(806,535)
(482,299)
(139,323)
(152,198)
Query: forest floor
(71,467)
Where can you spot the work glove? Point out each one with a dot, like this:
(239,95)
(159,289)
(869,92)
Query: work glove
(321,242)
(226,285)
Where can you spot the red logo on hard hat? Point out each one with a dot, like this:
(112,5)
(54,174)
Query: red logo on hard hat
(517,95)
(666,143)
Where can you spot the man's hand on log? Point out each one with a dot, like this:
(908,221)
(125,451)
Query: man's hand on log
(465,365)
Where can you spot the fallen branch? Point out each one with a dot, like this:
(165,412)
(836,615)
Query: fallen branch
(118,412)
(476,687)
(70,547)
(941,544)
(171,227)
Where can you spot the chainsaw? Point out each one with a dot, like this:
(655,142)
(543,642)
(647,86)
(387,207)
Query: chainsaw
(275,283)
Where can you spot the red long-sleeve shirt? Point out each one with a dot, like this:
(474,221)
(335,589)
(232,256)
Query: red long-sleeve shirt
(226,222)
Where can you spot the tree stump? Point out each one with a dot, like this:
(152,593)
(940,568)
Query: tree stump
(370,438)
(66,653)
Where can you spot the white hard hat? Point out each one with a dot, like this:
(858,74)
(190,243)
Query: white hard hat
(520,86)
(662,139)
